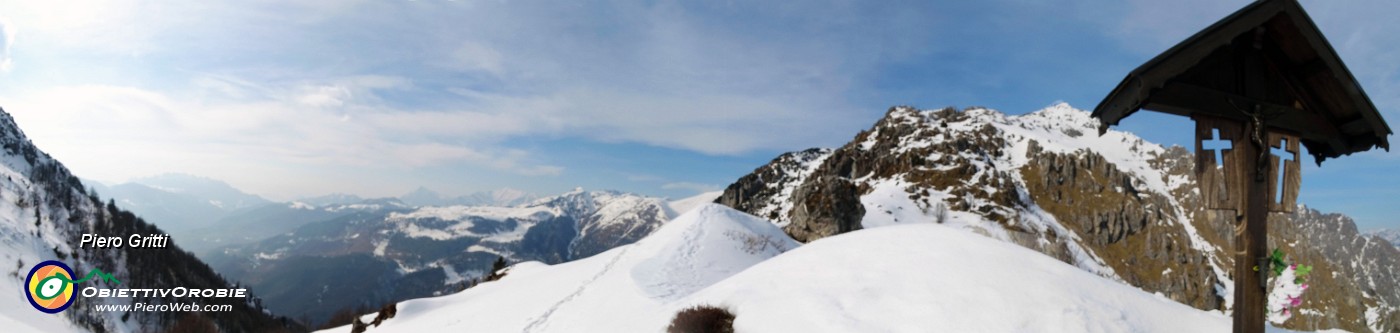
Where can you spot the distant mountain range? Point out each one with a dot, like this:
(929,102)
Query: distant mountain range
(505,197)
(397,251)
(204,214)
(422,196)
(179,203)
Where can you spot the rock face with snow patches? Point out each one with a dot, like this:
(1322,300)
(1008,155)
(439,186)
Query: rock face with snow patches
(1114,205)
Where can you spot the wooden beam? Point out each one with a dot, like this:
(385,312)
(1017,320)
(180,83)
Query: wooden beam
(1357,126)
(1251,244)
(1185,99)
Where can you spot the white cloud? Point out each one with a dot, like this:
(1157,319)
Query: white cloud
(472,56)
(656,74)
(117,133)
(7,32)
(395,87)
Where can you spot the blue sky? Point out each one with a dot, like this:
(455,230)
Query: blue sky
(377,97)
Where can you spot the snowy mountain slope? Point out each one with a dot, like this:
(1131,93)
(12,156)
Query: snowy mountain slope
(43,211)
(402,252)
(1114,205)
(907,278)
(616,219)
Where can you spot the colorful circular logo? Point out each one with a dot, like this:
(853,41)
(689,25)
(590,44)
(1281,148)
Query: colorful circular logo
(49,286)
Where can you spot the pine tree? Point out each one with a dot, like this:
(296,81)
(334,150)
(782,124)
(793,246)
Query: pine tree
(499,264)
(496,268)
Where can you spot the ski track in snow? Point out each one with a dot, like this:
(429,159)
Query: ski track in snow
(686,258)
(539,323)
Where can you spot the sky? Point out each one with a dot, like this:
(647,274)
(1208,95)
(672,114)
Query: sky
(290,99)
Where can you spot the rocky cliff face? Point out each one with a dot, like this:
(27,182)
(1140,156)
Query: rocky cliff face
(1114,205)
(1362,273)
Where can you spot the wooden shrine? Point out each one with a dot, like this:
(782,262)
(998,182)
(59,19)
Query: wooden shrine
(1260,84)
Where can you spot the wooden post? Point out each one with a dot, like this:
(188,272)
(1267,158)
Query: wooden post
(1251,241)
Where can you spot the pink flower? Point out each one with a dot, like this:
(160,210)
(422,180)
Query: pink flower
(1294,301)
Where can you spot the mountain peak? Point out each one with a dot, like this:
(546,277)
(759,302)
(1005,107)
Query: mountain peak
(422,196)
(195,189)
(1062,115)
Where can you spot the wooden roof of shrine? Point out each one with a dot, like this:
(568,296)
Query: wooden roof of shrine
(1268,58)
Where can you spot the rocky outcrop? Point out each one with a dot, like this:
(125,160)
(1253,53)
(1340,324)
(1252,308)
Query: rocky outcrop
(1362,272)
(825,206)
(767,191)
(1131,230)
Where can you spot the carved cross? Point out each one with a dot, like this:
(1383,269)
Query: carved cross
(1218,145)
(1284,172)
(1217,159)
